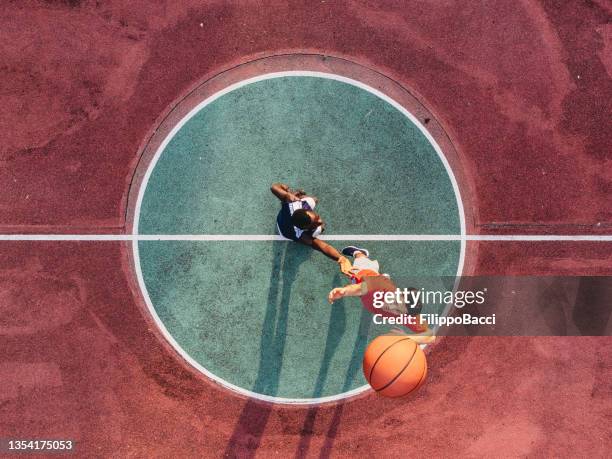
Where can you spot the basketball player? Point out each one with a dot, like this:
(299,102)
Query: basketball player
(298,222)
(366,280)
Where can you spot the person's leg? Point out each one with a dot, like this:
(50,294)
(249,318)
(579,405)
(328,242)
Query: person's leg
(351,250)
(361,260)
(421,338)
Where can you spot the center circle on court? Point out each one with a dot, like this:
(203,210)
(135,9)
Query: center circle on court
(252,314)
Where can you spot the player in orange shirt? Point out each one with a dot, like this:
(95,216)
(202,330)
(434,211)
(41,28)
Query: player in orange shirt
(366,280)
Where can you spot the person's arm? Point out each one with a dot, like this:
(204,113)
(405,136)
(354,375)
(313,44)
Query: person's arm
(327,250)
(283,192)
(348,290)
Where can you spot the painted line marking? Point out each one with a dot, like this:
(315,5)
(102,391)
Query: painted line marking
(330,237)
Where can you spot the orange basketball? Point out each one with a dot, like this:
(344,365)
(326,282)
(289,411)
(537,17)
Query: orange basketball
(394,365)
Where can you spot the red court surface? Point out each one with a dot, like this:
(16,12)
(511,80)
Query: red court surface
(523,90)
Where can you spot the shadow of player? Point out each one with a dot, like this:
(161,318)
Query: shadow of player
(251,424)
(578,306)
(337,326)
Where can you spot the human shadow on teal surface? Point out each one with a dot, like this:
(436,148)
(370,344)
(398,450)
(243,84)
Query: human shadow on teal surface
(337,326)
(288,258)
(252,422)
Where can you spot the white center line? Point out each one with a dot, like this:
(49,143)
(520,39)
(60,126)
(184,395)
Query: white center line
(329,237)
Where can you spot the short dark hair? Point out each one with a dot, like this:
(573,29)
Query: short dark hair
(301,219)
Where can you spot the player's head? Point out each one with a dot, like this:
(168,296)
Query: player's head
(306,219)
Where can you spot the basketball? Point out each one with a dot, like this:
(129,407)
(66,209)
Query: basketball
(394,365)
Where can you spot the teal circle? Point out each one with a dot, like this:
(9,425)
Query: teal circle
(254,313)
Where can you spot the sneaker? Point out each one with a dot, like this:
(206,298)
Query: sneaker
(351,249)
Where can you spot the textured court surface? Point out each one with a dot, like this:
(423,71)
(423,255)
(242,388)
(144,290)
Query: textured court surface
(372,169)
(255,313)
(523,91)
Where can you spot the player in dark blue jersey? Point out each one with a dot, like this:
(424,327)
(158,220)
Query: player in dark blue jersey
(298,222)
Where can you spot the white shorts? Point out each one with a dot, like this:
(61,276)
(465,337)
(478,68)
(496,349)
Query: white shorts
(362,263)
(311,202)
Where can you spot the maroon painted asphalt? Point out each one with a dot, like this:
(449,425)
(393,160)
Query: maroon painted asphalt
(523,90)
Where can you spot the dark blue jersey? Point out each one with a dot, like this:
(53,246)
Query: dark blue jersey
(283,220)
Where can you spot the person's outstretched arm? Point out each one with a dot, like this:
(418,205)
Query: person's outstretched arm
(347,290)
(283,192)
(327,250)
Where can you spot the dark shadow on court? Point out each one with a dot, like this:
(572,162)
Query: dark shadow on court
(592,311)
(337,326)
(577,306)
(247,433)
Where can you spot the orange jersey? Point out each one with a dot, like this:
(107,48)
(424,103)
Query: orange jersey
(386,285)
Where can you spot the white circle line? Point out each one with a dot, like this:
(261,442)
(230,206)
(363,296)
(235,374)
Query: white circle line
(176,129)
